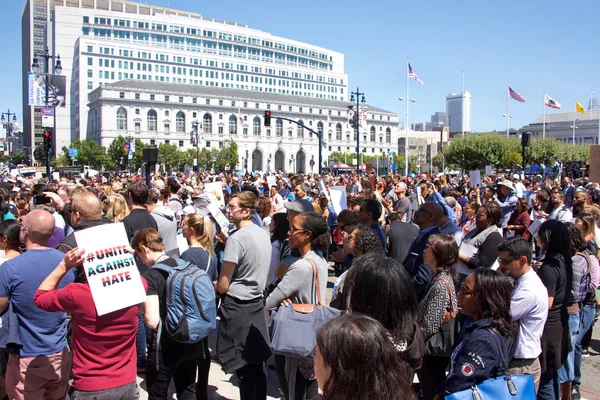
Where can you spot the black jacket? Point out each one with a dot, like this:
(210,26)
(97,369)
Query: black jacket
(420,273)
(69,243)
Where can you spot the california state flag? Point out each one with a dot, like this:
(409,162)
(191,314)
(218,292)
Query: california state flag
(550,102)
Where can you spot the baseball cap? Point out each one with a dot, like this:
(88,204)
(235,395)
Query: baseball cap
(299,206)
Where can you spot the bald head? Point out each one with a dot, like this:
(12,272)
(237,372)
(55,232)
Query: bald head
(87,205)
(39,225)
(428,215)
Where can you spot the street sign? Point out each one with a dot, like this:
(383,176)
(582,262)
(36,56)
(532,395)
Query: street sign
(214,159)
(73,153)
(47,117)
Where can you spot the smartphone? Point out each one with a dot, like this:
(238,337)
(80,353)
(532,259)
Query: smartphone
(41,199)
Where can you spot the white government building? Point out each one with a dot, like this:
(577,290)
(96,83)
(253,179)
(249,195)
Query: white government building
(157,112)
(559,125)
(101,42)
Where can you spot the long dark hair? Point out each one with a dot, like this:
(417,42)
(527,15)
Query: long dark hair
(364,362)
(11,229)
(555,240)
(493,292)
(282,226)
(381,288)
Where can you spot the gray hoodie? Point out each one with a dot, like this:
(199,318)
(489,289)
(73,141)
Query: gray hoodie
(167,227)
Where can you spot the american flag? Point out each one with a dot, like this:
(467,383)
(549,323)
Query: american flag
(516,96)
(411,74)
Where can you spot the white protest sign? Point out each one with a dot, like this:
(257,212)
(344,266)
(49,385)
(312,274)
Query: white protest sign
(475,178)
(338,198)
(218,216)
(534,227)
(111,271)
(323,189)
(217,189)
(488,170)
(272,181)
(466,250)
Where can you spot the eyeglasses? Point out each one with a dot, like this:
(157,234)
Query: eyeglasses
(466,291)
(293,229)
(505,262)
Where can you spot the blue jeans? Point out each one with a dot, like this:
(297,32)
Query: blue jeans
(140,342)
(566,372)
(587,320)
(549,386)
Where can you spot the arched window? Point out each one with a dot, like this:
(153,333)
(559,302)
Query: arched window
(152,121)
(207,124)
(256,126)
(373,138)
(180,122)
(300,131)
(338,131)
(122,119)
(233,125)
(279,128)
(388,135)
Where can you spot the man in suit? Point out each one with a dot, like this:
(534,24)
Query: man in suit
(569,191)
(401,235)
(427,218)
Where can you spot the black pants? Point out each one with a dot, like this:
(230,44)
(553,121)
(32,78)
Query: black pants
(280,370)
(203,372)
(432,374)
(177,361)
(304,390)
(252,381)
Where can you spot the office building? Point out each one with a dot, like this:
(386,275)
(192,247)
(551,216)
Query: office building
(106,41)
(160,112)
(560,126)
(456,104)
(439,118)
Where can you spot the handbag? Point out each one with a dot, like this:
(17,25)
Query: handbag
(504,387)
(442,342)
(293,328)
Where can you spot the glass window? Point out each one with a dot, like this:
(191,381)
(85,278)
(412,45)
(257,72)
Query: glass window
(207,123)
(233,125)
(338,132)
(279,128)
(299,129)
(256,126)
(388,135)
(152,121)
(121,119)
(180,122)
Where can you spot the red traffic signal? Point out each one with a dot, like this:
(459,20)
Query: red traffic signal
(47,140)
(268,118)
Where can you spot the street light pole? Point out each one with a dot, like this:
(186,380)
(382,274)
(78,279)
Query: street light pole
(57,70)
(196,142)
(407,99)
(9,131)
(358,95)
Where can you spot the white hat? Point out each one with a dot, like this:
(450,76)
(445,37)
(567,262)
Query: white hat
(188,210)
(507,183)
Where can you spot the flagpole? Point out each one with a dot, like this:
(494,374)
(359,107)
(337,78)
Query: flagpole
(591,104)
(406,123)
(463,104)
(507,107)
(544,110)
(574,113)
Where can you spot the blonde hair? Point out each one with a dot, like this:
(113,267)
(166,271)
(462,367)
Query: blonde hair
(107,189)
(117,207)
(204,231)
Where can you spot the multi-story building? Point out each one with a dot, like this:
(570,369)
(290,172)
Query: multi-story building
(456,104)
(440,118)
(560,126)
(105,41)
(424,145)
(160,112)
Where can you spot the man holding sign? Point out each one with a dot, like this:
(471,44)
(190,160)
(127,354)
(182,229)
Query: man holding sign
(104,355)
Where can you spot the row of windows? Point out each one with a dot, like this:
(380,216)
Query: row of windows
(152,126)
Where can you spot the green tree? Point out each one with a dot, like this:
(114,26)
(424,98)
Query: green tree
(136,161)
(168,155)
(39,154)
(116,153)
(18,157)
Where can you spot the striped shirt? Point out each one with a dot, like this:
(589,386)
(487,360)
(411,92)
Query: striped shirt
(529,309)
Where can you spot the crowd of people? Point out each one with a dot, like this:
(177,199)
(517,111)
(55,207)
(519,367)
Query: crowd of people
(442,283)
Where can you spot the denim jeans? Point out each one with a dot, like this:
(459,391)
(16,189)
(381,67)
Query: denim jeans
(140,342)
(549,386)
(587,320)
(566,372)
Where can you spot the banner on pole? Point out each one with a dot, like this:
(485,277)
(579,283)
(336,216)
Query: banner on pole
(47,117)
(111,271)
(57,90)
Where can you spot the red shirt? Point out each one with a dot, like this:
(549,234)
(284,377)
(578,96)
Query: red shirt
(104,354)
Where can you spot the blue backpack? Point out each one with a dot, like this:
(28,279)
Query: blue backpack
(191,305)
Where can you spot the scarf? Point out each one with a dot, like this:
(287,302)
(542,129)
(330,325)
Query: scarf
(477,236)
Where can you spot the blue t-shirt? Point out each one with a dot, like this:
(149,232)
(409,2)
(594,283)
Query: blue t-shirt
(41,333)
(199,257)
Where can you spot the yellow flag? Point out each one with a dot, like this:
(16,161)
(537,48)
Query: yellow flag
(579,108)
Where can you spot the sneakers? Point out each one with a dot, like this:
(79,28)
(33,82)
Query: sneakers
(585,353)
(575,395)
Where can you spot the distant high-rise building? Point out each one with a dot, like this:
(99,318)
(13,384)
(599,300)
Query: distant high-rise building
(454,111)
(439,118)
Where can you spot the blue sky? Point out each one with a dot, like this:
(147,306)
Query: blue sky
(537,45)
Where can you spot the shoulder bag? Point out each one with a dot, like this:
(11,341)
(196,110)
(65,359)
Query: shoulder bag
(504,387)
(442,342)
(293,329)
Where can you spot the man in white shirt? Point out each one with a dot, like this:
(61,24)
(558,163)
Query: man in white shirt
(519,187)
(528,306)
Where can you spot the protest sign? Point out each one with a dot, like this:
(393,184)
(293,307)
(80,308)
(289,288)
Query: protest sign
(218,216)
(338,198)
(217,189)
(488,170)
(110,269)
(272,181)
(475,178)
(323,189)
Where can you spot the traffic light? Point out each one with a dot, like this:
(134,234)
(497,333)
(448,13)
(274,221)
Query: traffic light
(268,118)
(47,140)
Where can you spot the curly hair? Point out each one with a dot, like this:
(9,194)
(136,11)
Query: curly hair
(366,241)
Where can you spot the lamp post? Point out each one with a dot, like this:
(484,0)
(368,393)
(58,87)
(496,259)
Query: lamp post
(8,122)
(35,66)
(195,140)
(574,127)
(130,150)
(407,99)
(360,98)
